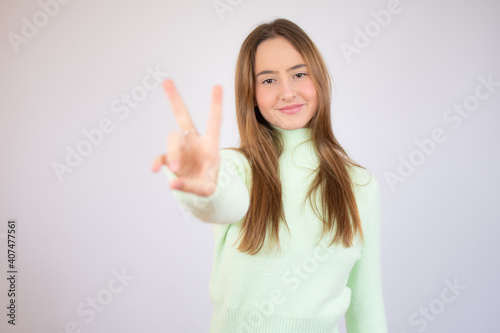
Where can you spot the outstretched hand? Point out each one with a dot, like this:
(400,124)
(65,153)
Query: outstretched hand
(193,158)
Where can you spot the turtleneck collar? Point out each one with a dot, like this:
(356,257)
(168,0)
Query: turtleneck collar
(294,137)
(298,145)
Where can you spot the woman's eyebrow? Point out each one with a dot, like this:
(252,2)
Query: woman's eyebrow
(289,69)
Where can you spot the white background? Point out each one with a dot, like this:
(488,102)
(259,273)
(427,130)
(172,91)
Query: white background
(111,213)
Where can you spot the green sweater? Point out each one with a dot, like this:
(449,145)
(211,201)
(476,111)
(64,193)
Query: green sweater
(307,287)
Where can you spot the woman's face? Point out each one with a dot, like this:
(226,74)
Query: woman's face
(284,91)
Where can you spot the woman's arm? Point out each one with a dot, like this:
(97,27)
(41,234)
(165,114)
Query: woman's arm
(367,311)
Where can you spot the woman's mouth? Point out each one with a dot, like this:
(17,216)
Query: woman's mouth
(291,109)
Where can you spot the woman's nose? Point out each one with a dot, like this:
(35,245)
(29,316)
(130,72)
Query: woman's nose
(287,90)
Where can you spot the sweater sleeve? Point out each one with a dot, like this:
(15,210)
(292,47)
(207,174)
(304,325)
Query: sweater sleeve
(366,312)
(230,201)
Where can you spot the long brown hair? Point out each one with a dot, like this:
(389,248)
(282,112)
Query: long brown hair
(262,145)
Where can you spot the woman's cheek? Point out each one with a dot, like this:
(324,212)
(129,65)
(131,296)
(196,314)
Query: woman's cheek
(265,100)
(310,89)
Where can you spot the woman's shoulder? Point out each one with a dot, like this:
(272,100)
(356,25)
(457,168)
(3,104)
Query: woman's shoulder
(234,155)
(236,159)
(361,176)
(232,152)
(365,184)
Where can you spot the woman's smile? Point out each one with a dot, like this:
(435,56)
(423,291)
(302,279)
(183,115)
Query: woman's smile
(291,109)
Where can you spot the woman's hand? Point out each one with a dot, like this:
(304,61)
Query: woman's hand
(194,159)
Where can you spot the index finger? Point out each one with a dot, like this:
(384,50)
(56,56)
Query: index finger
(180,111)
(215,116)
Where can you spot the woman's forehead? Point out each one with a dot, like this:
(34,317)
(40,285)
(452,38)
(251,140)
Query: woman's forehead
(276,54)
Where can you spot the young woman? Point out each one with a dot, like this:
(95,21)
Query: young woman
(288,187)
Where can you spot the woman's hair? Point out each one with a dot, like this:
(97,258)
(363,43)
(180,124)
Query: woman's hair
(262,145)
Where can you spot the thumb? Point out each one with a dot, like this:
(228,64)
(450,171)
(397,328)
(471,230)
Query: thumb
(201,187)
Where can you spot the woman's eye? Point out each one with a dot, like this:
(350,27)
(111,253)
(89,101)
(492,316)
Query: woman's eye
(300,75)
(268,81)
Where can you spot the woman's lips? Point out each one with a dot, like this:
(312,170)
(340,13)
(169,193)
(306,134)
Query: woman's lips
(291,109)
